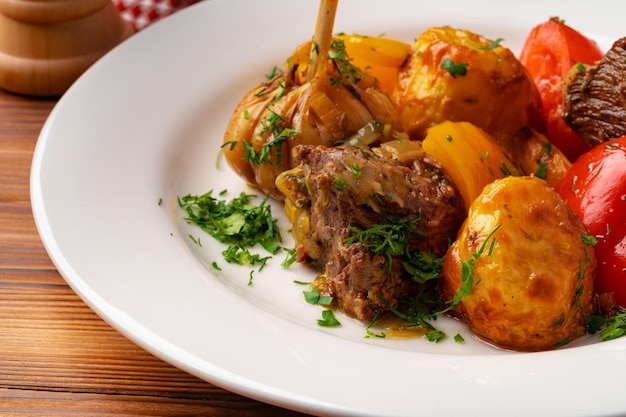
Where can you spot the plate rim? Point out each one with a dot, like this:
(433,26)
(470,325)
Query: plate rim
(151,341)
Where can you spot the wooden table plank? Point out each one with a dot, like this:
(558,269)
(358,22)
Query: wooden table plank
(57,357)
(62,404)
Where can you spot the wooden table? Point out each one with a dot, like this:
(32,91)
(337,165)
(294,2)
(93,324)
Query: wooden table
(57,357)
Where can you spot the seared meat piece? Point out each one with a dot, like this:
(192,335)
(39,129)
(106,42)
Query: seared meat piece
(595,97)
(355,200)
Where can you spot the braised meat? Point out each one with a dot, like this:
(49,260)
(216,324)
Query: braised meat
(368,218)
(595,97)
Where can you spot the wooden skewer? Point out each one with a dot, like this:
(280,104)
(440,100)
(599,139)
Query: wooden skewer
(322,38)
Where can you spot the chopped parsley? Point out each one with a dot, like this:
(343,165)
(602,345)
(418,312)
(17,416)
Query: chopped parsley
(383,239)
(492,46)
(274,126)
(314,297)
(542,170)
(349,74)
(278,134)
(611,327)
(339,183)
(454,69)
(467,271)
(238,223)
(370,333)
(273,73)
(195,240)
(562,342)
(435,336)
(423,266)
(590,240)
(390,239)
(356,170)
(291,257)
(280,90)
(328,319)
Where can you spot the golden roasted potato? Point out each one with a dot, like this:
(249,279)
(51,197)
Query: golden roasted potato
(532,282)
(456,75)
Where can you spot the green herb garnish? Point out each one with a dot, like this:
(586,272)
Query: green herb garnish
(610,328)
(467,271)
(278,134)
(328,319)
(435,336)
(356,170)
(349,73)
(590,240)
(580,67)
(369,333)
(339,183)
(491,46)
(314,297)
(273,73)
(238,223)
(542,170)
(454,69)
(391,239)
(291,257)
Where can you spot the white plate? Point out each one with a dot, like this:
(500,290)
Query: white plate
(145,123)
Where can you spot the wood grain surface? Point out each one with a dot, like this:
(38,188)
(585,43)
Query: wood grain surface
(57,357)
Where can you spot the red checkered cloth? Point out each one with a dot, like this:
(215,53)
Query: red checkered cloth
(142,13)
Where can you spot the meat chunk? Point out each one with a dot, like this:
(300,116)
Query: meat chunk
(595,97)
(364,214)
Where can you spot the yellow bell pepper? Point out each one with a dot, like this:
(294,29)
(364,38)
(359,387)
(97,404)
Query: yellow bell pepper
(382,52)
(471,157)
(382,57)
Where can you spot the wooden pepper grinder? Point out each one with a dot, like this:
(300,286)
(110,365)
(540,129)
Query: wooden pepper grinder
(45,45)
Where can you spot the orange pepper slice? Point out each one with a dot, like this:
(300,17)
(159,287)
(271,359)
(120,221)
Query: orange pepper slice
(470,157)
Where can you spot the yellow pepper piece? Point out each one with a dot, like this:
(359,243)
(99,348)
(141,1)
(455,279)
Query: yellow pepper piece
(382,52)
(469,156)
(382,57)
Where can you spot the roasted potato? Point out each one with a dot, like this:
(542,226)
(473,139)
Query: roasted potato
(456,75)
(532,282)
